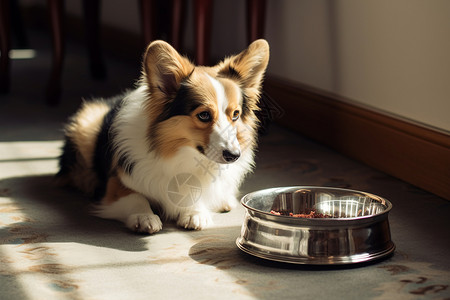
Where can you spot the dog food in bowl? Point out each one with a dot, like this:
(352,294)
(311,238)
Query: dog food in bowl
(311,215)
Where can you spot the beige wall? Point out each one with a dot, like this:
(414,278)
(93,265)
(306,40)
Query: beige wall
(391,55)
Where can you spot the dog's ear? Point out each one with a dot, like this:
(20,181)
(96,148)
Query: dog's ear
(249,66)
(164,68)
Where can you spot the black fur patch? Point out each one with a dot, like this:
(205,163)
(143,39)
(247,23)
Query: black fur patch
(68,158)
(126,163)
(104,152)
(231,73)
(182,105)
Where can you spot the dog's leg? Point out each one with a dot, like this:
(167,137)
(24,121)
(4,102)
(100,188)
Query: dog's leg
(129,207)
(133,210)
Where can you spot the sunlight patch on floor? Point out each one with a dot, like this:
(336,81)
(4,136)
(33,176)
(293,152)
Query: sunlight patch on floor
(29,158)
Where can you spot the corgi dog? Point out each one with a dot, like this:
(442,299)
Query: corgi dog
(181,142)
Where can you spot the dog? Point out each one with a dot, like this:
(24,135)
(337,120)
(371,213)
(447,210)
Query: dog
(181,142)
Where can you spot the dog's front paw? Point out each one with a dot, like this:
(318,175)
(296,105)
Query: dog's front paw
(145,223)
(197,220)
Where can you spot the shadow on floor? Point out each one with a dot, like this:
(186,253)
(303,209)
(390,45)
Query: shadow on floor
(39,211)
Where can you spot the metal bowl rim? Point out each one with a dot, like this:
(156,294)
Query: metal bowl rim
(315,220)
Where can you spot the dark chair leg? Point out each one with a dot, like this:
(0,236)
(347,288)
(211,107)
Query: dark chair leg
(256,10)
(178,6)
(202,16)
(92,26)
(148,21)
(53,92)
(18,29)
(5,46)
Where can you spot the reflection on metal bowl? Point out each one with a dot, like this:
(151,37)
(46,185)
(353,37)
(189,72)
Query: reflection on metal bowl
(356,228)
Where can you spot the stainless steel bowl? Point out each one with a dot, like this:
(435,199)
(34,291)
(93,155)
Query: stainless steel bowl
(357,231)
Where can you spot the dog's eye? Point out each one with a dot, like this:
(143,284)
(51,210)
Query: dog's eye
(235,115)
(204,116)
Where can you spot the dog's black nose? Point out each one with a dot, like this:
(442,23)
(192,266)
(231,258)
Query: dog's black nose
(230,156)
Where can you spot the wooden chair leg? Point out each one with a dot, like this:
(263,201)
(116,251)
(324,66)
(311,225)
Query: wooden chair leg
(202,15)
(178,6)
(18,29)
(5,46)
(256,10)
(53,91)
(148,21)
(92,27)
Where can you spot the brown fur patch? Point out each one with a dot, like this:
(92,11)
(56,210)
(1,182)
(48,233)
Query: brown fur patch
(85,126)
(180,131)
(203,91)
(233,95)
(115,190)
(246,135)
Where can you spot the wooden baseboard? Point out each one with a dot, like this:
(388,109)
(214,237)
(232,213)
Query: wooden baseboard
(413,153)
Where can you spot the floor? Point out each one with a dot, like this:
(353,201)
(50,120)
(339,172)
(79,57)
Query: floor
(51,248)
